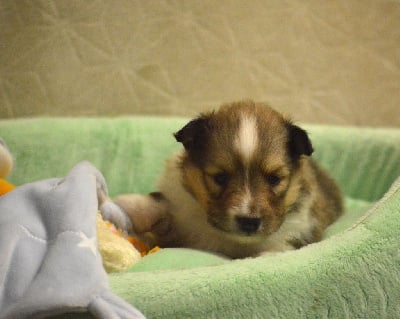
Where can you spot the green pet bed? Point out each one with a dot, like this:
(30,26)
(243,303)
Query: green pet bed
(353,273)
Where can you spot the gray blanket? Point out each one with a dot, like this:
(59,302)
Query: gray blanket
(49,262)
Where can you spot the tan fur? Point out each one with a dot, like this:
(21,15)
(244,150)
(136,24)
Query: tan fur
(221,191)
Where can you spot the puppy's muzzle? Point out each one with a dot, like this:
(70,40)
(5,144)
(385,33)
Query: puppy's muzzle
(248,225)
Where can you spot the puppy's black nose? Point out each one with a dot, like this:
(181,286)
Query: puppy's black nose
(248,224)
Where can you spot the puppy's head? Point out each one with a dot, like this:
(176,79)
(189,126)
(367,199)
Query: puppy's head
(238,164)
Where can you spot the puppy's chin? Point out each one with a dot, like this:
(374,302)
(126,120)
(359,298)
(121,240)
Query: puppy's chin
(229,228)
(239,236)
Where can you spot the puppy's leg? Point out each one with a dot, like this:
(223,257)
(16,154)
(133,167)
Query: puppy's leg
(147,213)
(139,213)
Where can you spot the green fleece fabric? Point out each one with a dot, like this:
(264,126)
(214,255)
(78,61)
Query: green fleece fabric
(353,273)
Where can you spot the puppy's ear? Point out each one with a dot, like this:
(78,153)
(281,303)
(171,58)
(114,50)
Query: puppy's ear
(193,135)
(298,142)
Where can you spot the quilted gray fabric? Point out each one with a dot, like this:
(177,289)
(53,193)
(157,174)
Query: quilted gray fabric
(49,259)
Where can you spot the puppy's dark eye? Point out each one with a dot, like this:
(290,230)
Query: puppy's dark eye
(221,179)
(273,180)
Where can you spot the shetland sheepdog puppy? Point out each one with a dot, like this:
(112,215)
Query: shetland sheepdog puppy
(244,184)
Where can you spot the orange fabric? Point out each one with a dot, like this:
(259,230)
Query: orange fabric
(138,244)
(5,186)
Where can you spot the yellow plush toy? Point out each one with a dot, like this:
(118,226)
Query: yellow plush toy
(117,253)
(6,164)
(118,250)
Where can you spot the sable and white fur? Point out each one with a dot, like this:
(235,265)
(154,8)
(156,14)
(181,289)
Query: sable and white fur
(243,184)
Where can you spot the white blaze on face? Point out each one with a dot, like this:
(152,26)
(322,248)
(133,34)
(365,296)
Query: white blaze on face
(245,206)
(247,137)
(242,209)
(246,142)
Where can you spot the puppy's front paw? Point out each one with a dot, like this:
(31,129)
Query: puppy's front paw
(145,212)
(113,213)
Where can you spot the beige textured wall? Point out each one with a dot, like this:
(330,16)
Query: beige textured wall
(322,61)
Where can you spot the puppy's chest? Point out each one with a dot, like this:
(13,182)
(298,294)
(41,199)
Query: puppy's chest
(296,230)
(195,232)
